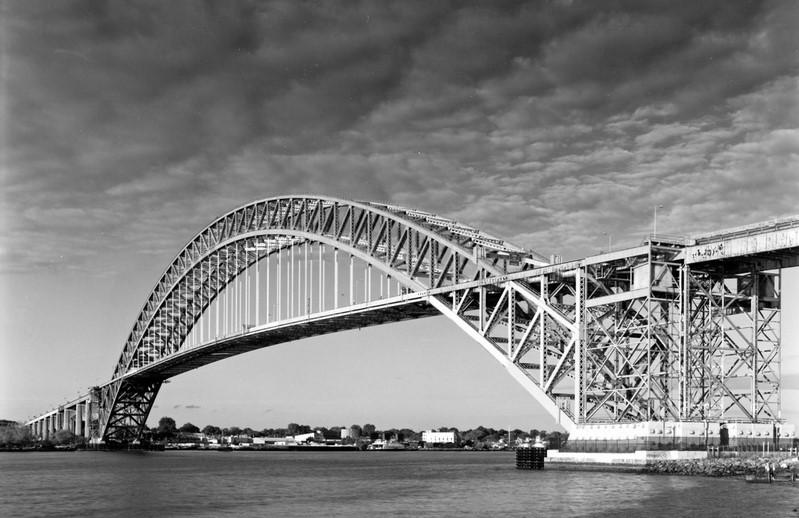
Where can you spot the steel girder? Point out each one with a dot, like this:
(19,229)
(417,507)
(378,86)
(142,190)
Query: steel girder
(416,249)
(595,341)
(133,400)
(732,344)
(628,336)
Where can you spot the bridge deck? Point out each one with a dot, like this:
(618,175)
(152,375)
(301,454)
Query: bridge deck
(548,324)
(746,230)
(286,331)
(775,241)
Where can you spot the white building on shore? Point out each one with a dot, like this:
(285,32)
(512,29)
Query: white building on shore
(434,437)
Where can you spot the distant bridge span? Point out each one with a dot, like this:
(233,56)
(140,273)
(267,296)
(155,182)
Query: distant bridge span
(675,330)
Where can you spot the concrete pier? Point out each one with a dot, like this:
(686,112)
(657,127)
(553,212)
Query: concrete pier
(637,458)
(681,436)
(74,416)
(79,410)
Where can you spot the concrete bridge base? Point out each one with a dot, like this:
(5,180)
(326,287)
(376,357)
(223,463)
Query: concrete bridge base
(659,436)
(636,458)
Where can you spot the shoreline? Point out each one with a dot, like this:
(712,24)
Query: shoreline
(751,468)
(782,466)
(725,467)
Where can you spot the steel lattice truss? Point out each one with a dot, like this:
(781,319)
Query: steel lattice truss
(733,355)
(405,250)
(641,334)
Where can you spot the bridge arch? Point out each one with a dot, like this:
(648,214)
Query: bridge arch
(419,258)
(629,338)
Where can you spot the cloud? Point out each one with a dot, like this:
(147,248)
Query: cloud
(187,407)
(545,123)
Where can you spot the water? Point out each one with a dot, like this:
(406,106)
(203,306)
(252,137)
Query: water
(329,484)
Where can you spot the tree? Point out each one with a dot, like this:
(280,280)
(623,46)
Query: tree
(356,431)
(410,435)
(167,428)
(189,428)
(368,429)
(557,439)
(64,437)
(14,435)
(297,429)
(212,430)
(274,432)
(491,437)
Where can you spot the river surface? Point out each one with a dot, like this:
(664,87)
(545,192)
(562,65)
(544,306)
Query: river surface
(380,484)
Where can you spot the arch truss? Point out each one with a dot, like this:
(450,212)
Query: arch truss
(641,334)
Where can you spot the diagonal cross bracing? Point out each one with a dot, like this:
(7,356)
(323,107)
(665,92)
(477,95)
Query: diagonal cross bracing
(215,267)
(632,335)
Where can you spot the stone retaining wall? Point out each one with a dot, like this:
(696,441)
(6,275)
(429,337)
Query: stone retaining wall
(724,467)
(677,463)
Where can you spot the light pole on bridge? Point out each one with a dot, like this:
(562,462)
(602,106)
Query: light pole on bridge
(655,220)
(610,239)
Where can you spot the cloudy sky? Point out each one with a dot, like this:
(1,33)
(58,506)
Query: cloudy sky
(128,126)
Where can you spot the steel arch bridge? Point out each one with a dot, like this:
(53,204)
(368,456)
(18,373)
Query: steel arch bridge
(650,333)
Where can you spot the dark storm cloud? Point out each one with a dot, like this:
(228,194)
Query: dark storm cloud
(544,122)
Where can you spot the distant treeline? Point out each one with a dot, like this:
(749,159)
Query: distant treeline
(17,435)
(476,437)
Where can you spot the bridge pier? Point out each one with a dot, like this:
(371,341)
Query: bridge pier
(82,419)
(70,419)
(87,415)
(74,417)
(79,410)
(640,443)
